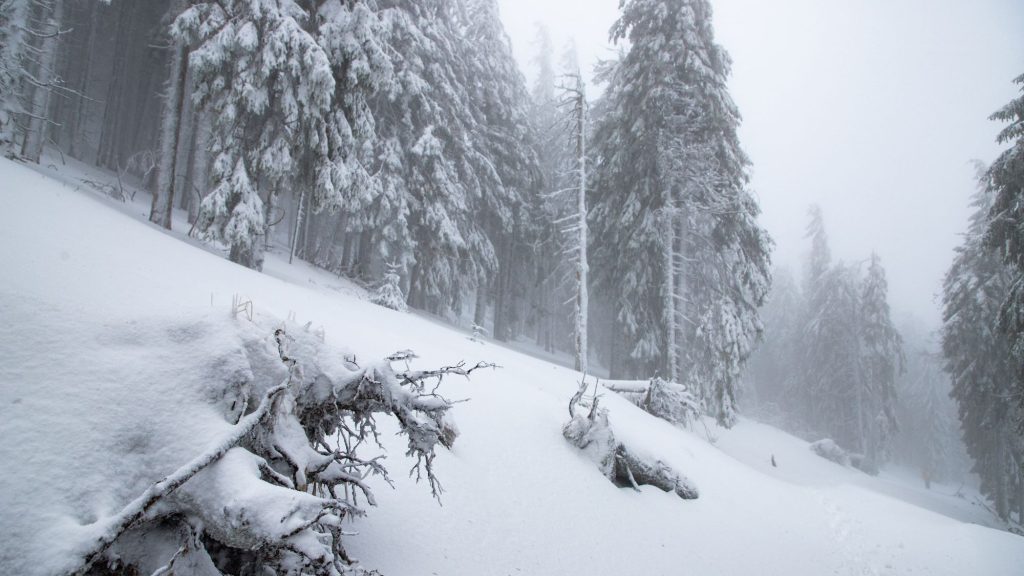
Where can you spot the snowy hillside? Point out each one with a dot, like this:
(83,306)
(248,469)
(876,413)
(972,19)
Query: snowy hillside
(113,328)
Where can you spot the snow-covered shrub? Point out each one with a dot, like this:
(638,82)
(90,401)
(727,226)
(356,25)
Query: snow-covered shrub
(829,450)
(271,495)
(591,432)
(389,294)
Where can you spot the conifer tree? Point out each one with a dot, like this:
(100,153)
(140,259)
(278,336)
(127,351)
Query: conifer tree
(504,160)
(1005,232)
(428,159)
(882,361)
(980,359)
(678,248)
(389,293)
(269,85)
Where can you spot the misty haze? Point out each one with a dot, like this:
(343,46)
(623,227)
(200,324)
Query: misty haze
(495,287)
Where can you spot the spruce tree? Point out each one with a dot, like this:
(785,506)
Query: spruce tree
(980,359)
(504,159)
(677,248)
(428,159)
(882,361)
(1005,232)
(269,85)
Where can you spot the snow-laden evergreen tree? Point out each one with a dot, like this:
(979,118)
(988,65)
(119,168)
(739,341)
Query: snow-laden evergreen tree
(389,293)
(425,139)
(830,379)
(269,85)
(509,204)
(678,250)
(373,224)
(882,361)
(848,354)
(1006,228)
(980,359)
(808,388)
(819,260)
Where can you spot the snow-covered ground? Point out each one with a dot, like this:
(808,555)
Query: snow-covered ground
(111,327)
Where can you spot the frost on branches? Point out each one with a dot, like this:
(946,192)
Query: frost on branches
(271,496)
(590,431)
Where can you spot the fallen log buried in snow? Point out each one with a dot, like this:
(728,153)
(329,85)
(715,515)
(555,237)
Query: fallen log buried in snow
(591,432)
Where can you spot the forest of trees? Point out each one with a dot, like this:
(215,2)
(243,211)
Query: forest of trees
(833,364)
(832,357)
(396,142)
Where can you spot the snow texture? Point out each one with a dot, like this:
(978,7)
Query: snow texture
(96,401)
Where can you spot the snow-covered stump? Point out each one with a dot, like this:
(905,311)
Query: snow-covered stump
(270,497)
(591,432)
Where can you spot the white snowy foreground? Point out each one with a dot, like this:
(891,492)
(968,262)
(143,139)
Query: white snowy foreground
(113,329)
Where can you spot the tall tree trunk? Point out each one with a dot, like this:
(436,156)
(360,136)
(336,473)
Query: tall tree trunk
(296,225)
(81,107)
(480,310)
(107,154)
(49,25)
(669,289)
(170,138)
(502,310)
(199,181)
(582,268)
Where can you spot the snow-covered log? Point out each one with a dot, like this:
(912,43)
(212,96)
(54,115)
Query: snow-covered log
(669,401)
(590,431)
(271,495)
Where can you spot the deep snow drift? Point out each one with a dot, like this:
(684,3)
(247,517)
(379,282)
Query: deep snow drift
(113,329)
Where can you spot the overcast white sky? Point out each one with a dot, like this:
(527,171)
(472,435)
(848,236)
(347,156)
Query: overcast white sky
(871,108)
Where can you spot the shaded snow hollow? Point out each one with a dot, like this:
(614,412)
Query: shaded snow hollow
(113,331)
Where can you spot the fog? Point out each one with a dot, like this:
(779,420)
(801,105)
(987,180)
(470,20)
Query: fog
(872,109)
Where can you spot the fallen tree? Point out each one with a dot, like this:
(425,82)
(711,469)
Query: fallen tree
(590,431)
(271,495)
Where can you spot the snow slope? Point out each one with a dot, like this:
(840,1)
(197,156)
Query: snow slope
(111,328)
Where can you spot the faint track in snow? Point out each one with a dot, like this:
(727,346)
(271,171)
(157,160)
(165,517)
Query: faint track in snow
(842,532)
